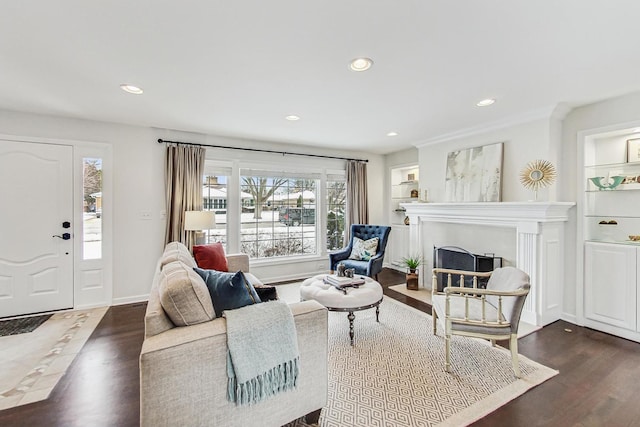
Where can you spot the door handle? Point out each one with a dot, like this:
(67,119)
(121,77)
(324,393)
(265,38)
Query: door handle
(65,236)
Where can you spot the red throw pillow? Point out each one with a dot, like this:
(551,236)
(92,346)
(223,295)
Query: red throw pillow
(211,257)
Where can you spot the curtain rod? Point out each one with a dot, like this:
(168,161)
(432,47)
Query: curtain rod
(160,141)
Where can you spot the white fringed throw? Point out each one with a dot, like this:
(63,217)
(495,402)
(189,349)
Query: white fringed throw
(263,351)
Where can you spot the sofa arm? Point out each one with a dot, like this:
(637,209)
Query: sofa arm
(183,375)
(238,262)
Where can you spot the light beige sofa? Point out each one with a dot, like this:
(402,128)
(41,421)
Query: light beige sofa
(183,369)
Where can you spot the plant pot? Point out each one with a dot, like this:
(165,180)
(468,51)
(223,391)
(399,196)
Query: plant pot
(412,280)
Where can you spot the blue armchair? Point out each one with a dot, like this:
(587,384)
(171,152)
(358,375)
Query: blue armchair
(369,268)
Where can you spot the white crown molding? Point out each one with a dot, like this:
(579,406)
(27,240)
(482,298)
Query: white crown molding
(558,112)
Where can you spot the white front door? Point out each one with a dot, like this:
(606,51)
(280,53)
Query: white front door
(36,199)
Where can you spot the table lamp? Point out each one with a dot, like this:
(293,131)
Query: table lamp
(198,221)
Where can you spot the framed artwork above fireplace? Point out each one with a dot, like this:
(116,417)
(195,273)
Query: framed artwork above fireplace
(474,174)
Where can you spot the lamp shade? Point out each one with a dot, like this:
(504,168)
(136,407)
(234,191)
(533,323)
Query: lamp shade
(199,220)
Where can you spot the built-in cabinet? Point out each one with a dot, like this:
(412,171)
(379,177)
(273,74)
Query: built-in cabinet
(611,289)
(405,187)
(610,216)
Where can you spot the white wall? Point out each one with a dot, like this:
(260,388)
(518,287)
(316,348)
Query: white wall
(553,138)
(138,185)
(522,143)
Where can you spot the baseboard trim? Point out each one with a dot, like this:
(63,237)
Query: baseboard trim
(130,300)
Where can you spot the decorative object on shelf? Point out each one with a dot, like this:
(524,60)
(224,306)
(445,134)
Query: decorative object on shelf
(406,220)
(602,184)
(411,177)
(474,174)
(425,196)
(412,262)
(633,150)
(415,194)
(634,237)
(607,228)
(537,174)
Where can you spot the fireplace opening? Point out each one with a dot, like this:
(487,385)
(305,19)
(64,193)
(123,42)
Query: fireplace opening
(456,258)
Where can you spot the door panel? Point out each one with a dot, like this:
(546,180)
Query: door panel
(610,284)
(36,195)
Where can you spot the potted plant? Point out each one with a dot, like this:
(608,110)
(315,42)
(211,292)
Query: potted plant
(412,262)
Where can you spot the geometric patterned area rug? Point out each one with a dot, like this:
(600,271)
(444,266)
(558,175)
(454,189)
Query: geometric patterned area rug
(22,325)
(32,364)
(394,374)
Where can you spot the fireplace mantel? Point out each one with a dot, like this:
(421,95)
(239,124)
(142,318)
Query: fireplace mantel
(502,214)
(540,243)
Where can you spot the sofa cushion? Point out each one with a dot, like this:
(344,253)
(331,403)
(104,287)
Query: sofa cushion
(363,250)
(228,290)
(266,292)
(176,251)
(184,295)
(210,257)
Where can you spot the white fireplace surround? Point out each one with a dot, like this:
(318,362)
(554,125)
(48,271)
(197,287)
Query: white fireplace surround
(540,248)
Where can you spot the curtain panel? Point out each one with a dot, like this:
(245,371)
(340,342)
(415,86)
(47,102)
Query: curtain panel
(184,169)
(357,196)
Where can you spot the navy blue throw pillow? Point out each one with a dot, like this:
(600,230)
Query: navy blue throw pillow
(228,290)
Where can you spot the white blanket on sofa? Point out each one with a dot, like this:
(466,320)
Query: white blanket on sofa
(263,352)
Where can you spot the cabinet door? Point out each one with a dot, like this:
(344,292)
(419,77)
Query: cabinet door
(610,284)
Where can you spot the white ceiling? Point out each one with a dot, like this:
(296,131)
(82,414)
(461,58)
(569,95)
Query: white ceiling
(236,68)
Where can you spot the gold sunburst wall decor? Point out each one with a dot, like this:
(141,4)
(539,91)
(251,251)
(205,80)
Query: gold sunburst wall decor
(538,174)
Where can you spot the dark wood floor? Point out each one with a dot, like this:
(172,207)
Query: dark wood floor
(598,382)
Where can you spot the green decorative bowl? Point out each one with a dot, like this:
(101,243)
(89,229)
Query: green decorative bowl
(599,181)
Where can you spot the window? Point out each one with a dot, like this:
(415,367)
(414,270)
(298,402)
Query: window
(92,208)
(214,198)
(278,215)
(336,208)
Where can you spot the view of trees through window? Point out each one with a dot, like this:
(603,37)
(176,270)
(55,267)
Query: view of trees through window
(280,216)
(214,198)
(92,208)
(336,208)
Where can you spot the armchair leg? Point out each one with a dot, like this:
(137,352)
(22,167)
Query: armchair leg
(313,417)
(513,345)
(434,316)
(447,350)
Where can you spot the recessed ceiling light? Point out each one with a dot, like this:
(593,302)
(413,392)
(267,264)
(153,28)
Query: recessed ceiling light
(360,64)
(485,102)
(292,117)
(392,134)
(131,89)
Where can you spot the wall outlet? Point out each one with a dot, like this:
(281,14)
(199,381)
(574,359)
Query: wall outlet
(145,215)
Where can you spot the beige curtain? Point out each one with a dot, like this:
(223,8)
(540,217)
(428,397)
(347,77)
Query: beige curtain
(184,168)
(357,197)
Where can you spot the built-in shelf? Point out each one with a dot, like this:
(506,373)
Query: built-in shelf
(621,187)
(620,242)
(614,165)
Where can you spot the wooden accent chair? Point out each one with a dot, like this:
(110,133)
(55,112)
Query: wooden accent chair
(492,313)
